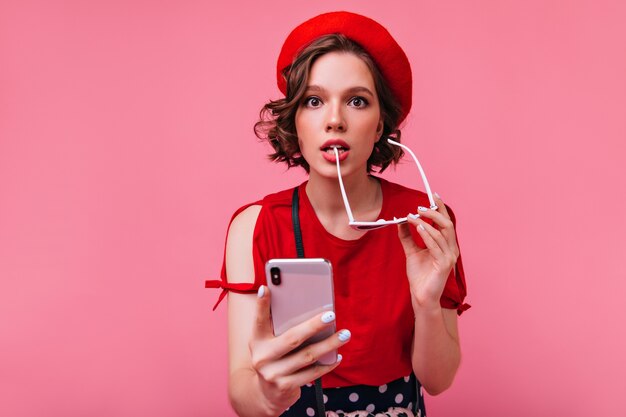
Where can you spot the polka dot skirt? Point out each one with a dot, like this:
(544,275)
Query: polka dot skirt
(364,400)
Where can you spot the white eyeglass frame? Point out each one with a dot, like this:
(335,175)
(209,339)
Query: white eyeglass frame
(359,225)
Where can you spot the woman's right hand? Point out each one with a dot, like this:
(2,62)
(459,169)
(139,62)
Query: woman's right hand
(282,368)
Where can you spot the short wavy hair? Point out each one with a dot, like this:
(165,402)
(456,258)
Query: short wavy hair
(277,118)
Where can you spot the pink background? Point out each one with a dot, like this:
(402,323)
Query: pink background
(126,143)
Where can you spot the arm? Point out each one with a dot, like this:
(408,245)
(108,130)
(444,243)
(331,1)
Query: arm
(265,375)
(436,351)
(241,307)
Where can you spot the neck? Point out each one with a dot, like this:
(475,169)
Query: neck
(363,192)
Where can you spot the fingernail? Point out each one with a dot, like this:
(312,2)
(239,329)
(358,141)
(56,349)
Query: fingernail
(339,357)
(437,195)
(413,216)
(422,208)
(261,291)
(328,317)
(344,335)
(421,227)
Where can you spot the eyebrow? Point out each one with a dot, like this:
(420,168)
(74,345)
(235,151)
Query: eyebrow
(351,90)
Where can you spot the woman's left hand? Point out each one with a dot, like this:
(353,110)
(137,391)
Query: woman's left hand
(428,268)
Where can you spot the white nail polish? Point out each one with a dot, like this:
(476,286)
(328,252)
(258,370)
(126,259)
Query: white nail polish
(328,317)
(421,227)
(344,335)
(422,208)
(437,195)
(339,357)
(413,216)
(261,291)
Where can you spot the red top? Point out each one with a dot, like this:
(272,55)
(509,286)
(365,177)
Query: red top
(372,297)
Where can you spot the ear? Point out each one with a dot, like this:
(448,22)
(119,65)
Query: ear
(379,129)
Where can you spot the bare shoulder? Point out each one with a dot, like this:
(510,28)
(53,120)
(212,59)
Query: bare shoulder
(245,221)
(239,264)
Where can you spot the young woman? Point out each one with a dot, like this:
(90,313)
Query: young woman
(398,289)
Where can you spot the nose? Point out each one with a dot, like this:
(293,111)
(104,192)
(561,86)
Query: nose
(335,120)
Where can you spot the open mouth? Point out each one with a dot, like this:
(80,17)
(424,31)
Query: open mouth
(330,149)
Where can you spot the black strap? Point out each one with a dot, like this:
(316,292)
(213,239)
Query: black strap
(319,398)
(295,218)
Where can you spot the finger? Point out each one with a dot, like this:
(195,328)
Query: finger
(439,237)
(294,337)
(311,373)
(262,325)
(440,248)
(406,239)
(440,219)
(444,224)
(450,236)
(441,207)
(309,355)
(427,233)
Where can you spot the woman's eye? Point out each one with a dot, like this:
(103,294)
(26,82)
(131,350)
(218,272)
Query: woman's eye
(312,102)
(358,102)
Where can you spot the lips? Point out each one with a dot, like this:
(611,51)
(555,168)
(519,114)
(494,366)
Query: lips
(328,150)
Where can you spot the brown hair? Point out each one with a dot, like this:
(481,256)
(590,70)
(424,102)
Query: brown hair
(277,118)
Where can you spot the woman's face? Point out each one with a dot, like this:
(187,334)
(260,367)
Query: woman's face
(340,108)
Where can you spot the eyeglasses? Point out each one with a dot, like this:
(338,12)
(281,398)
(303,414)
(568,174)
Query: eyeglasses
(359,225)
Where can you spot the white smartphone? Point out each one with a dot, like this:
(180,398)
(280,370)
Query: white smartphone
(301,288)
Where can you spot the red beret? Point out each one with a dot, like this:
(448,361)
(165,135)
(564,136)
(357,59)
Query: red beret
(371,35)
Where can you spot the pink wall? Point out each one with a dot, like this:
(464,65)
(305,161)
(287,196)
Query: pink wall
(126,143)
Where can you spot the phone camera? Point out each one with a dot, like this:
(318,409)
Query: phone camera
(275,275)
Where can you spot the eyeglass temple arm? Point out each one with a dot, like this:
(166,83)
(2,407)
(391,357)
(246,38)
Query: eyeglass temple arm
(419,166)
(343,190)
